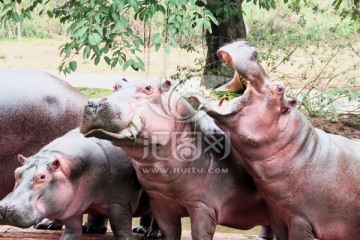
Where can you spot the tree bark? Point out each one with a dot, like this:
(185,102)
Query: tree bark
(227,31)
(18,24)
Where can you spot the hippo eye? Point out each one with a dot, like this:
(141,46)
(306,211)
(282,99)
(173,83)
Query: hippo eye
(148,90)
(279,88)
(42,176)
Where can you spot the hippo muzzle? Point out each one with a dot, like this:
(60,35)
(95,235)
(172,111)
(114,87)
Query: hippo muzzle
(108,116)
(101,114)
(16,215)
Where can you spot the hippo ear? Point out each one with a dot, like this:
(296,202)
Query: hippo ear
(165,86)
(55,164)
(288,103)
(21,159)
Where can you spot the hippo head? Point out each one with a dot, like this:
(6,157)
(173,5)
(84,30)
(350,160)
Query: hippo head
(261,113)
(137,113)
(246,67)
(34,197)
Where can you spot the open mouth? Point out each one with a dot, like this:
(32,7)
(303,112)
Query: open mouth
(131,132)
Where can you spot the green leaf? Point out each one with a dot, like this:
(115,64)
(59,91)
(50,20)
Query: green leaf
(80,32)
(94,39)
(86,52)
(127,64)
(173,41)
(107,60)
(156,38)
(167,48)
(98,28)
(97,60)
(114,62)
(73,66)
(15,16)
(119,25)
(67,51)
(50,14)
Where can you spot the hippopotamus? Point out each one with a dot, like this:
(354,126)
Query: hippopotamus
(180,158)
(35,108)
(70,176)
(309,179)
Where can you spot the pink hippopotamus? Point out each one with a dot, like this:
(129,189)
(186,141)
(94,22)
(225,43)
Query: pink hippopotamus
(180,157)
(73,175)
(309,179)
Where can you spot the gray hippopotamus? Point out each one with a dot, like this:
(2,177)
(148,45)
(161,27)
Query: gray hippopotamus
(35,108)
(309,179)
(181,159)
(70,176)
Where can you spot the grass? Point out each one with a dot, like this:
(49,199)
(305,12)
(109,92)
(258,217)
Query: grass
(94,92)
(44,54)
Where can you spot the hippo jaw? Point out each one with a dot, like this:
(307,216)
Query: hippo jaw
(243,58)
(132,132)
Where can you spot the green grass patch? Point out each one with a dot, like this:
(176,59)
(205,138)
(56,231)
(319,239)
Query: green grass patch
(228,94)
(94,92)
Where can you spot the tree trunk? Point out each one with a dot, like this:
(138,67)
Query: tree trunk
(18,24)
(227,31)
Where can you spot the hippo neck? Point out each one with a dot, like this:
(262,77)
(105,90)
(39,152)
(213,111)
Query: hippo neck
(290,150)
(165,175)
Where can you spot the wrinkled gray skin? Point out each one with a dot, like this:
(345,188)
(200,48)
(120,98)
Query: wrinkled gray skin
(35,108)
(73,175)
(156,127)
(309,179)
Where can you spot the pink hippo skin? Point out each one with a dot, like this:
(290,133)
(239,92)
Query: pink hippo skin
(169,145)
(309,179)
(73,175)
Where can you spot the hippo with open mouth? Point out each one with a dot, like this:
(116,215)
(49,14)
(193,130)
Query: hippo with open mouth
(309,179)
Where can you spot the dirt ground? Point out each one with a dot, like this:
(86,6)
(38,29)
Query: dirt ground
(347,126)
(12,233)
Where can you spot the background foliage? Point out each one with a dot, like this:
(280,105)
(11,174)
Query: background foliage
(313,45)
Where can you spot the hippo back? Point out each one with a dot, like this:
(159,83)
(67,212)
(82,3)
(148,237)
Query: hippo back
(35,108)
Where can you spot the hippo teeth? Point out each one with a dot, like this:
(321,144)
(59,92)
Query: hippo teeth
(135,127)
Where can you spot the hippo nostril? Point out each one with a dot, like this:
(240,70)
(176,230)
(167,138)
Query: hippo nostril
(93,103)
(11,208)
(279,88)
(2,213)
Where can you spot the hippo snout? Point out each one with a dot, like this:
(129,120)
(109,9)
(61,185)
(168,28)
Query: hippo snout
(6,211)
(2,214)
(95,103)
